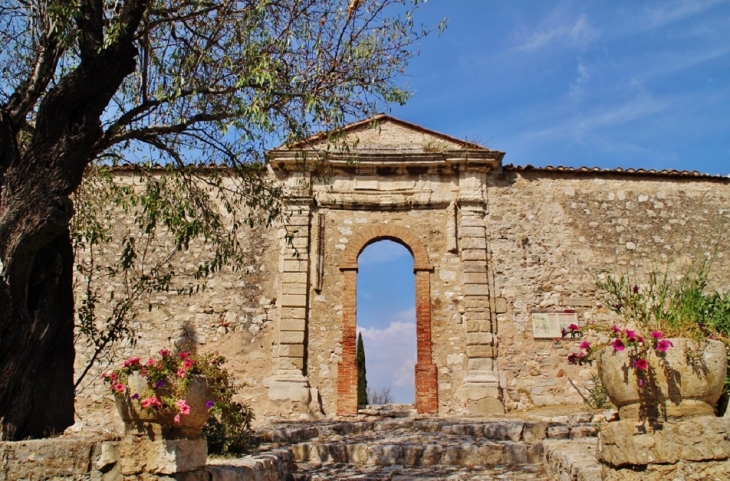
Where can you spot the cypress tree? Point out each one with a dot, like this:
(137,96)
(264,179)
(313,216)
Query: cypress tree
(362,382)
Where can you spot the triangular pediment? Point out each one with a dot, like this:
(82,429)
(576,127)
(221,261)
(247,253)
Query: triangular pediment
(385,133)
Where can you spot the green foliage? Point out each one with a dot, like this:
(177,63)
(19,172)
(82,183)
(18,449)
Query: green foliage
(597,397)
(681,308)
(362,382)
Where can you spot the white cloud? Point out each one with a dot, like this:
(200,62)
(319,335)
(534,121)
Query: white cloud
(390,353)
(578,87)
(678,10)
(556,31)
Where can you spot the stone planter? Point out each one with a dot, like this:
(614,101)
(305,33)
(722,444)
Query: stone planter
(677,384)
(135,418)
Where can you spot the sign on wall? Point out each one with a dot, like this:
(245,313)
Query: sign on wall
(551,325)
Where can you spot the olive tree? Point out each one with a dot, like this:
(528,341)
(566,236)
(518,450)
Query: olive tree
(91,83)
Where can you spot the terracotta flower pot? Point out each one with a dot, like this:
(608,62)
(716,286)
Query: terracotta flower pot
(189,425)
(675,384)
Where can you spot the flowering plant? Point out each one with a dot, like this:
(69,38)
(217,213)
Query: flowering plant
(168,378)
(637,346)
(658,310)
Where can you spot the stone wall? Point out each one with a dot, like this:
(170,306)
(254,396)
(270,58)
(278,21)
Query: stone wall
(552,234)
(491,245)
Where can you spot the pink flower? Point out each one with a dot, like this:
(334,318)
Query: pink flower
(180,372)
(617,344)
(118,387)
(143,372)
(641,364)
(184,355)
(132,361)
(663,345)
(615,329)
(656,334)
(150,402)
(164,352)
(573,327)
(188,363)
(150,362)
(585,345)
(631,335)
(176,418)
(641,382)
(640,339)
(183,406)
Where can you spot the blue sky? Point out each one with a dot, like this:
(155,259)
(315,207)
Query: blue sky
(599,83)
(576,83)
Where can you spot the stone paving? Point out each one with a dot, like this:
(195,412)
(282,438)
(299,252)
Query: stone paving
(402,448)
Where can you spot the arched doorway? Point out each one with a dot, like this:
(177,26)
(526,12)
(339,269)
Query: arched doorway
(425,369)
(386,320)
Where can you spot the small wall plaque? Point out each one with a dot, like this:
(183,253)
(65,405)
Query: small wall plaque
(549,325)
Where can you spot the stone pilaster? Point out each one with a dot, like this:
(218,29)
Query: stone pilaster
(481,390)
(288,381)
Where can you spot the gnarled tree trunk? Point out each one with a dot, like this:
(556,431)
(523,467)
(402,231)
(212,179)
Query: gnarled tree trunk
(36,297)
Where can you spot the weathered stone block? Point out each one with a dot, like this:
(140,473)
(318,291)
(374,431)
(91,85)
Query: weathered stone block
(293,325)
(291,337)
(141,454)
(701,438)
(479,338)
(480,351)
(294,300)
(293,289)
(476,289)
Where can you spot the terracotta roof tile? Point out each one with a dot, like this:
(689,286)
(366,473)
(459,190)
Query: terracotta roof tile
(618,171)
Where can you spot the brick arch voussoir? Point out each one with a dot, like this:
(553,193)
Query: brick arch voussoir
(373,234)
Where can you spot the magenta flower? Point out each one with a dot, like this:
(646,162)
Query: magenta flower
(573,327)
(615,329)
(663,345)
(585,345)
(641,364)
(656,334)
(636,289)
(164,352)
(618,345)
(150,402)
(188,363)
(183,406)
(118,387)
(184,355)
(631,335)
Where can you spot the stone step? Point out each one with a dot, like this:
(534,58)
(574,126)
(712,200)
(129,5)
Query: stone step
(508,430)
(415,454)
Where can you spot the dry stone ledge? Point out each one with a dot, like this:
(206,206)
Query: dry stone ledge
(702,438)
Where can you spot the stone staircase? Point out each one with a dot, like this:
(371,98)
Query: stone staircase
(401,448)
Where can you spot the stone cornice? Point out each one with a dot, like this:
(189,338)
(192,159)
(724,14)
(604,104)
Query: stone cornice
(386,162)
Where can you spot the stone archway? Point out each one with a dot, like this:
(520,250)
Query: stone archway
(426,375)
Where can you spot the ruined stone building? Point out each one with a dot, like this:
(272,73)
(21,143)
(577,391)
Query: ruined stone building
(492,245)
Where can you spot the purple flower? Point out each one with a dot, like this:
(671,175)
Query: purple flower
(617,344)
(135,396)
(160,383)
(663,345)
(209,404)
